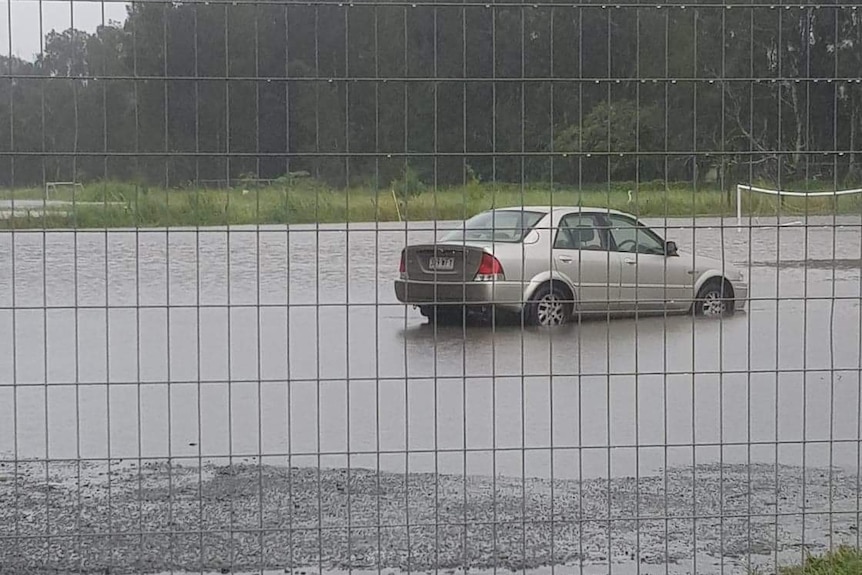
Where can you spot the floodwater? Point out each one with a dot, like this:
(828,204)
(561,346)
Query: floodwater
(276,342)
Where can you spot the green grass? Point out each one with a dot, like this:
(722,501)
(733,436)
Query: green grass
(116,204)
(842,561)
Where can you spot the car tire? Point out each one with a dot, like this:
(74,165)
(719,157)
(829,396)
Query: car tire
(715,299)
(550,306)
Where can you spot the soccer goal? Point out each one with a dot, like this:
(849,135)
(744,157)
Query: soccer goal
(740,188)
(55,186)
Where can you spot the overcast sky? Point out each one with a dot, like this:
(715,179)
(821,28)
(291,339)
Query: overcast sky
(56,15)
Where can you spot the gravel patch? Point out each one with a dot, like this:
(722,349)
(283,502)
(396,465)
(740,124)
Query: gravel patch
(241,518)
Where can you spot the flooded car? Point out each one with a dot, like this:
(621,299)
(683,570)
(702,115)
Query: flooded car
(550,264)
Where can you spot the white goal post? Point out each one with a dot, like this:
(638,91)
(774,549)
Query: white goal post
(755,189)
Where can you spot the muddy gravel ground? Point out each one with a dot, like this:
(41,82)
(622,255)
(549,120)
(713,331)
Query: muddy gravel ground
(240,518)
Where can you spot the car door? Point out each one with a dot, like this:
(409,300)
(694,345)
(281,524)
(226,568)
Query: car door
(650,279)
(581,255)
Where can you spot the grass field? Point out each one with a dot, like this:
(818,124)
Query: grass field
(842,561)
(112,204)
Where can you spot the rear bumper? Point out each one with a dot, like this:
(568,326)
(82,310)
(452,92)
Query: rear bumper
(498,294)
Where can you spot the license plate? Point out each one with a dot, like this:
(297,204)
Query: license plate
(441,264)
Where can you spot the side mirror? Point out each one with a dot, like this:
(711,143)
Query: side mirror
(670,248)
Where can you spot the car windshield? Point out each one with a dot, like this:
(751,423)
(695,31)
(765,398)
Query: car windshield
(496,226)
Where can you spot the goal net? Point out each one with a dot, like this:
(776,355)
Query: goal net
(779,195)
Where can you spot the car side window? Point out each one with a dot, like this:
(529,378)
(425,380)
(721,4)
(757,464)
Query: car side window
(632,238)
(578,232)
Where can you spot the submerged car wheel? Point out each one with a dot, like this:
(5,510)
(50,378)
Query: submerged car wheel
(550,306)
(714,300)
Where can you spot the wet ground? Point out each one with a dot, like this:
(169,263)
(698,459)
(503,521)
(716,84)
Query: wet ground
(250,518)
(37,208)
(182,344)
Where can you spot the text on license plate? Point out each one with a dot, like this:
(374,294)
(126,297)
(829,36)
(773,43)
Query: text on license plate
(441,264)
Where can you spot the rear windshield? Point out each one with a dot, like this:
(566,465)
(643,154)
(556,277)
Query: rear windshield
(496,226)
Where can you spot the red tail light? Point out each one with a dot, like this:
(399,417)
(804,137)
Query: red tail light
(489,268)
(402,266)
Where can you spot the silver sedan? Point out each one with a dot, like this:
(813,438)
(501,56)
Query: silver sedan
(552,263)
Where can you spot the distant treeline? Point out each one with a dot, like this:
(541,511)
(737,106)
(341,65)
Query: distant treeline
(179,93)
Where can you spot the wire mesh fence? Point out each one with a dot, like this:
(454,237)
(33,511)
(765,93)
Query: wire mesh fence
(382,286)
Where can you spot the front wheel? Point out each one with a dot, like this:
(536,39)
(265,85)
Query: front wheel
(715,299)
(550,306)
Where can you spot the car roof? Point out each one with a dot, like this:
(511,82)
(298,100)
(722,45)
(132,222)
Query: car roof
(550,209)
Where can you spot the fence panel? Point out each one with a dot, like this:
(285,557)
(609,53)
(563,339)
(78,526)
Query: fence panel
(429,285)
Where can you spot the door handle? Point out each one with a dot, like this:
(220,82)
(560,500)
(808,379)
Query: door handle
(630,261)
(566,259)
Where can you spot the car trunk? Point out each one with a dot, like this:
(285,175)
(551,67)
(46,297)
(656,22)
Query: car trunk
(442,262)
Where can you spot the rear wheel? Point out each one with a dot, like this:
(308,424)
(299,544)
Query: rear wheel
(715,299)
(551,305)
